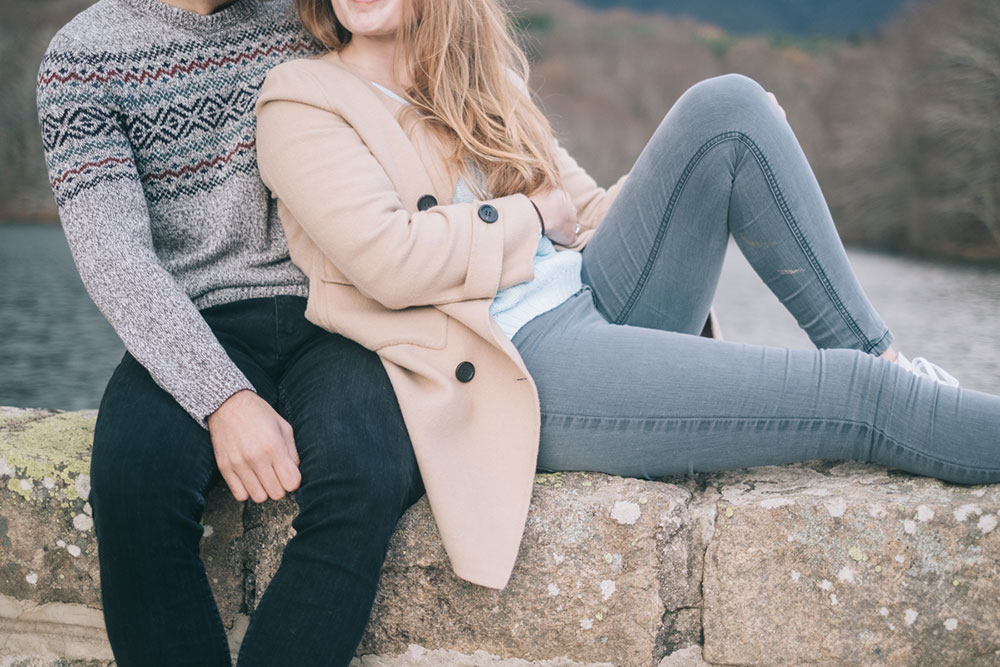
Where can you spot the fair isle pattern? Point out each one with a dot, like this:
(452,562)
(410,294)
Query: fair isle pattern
(188,128)
(147,120)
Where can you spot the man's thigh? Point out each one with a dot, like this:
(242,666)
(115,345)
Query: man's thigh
(145,444)
(347,424)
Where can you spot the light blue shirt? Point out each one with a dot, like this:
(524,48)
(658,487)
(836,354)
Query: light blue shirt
(557,274)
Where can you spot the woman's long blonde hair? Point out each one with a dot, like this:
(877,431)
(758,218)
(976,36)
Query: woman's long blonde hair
(470,83)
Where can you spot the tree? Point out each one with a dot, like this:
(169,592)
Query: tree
(960,122)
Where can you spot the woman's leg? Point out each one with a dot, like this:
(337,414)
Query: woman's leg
(724,161)
(650,403)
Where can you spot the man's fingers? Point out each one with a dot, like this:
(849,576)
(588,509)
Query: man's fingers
(288,474)
(235,485)
(251,483)
(264,482)
(269,480)
(290,443)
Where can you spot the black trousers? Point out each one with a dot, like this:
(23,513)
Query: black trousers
(152,466)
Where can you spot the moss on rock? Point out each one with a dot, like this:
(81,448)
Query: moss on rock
(46,454)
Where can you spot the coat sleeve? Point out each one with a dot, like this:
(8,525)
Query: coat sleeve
(592,201)
(320,168)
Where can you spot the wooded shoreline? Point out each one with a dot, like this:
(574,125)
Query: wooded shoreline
(902,129)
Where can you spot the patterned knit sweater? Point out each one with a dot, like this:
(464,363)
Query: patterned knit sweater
(147,117)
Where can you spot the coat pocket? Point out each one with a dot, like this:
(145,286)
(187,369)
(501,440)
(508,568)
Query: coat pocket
(341,308)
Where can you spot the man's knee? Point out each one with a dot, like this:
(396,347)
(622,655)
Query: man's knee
(148,453)
(354,448)
(365,482)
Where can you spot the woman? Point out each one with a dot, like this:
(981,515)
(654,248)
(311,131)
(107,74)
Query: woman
(421,191)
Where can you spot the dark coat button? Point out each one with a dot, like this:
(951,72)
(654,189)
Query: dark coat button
(488,214)
(426,202)
(465,371)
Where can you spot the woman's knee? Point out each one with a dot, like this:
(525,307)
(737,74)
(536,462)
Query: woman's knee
(730,99)
(732,84)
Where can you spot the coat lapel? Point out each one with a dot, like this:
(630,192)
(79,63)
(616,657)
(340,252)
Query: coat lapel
(380,128)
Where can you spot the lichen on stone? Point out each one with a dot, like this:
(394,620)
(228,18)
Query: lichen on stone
(857,554)
(15,485)
(47,448)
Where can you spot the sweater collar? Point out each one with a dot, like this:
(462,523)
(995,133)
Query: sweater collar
(238,10)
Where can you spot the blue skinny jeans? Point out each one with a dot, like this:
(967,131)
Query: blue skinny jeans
(152,466)
(628,388)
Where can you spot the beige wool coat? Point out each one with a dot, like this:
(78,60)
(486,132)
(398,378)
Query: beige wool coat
(413,281)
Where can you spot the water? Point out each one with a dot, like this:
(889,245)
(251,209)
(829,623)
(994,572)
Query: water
(57,351)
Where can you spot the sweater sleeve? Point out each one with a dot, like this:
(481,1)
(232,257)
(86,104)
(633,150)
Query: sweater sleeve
(103,210)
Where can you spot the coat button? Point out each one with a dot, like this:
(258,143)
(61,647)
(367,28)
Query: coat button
(465,371)
(488,214)
(426,202)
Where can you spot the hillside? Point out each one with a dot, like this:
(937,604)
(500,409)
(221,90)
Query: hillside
(901,128)
(26,26)
(843,18)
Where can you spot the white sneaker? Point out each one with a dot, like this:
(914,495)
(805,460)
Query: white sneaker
(923,368)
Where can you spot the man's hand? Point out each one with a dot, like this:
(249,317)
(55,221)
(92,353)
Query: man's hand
(254,448)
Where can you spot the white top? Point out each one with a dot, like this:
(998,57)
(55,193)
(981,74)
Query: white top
(557,274)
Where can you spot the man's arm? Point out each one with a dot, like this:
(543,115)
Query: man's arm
(104,213)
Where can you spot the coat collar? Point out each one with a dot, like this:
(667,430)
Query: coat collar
(421,167)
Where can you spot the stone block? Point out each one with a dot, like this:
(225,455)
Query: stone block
(818,563)
(855,565)
(605,563)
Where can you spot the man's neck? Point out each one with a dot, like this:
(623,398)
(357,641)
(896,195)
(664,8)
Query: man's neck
(204,7)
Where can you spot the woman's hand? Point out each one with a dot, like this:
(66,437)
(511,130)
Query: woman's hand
(558,215)
(775,100)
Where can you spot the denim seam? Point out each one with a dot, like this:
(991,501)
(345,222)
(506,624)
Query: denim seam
(779,200)
(746,420)
(878,408)
(878,341)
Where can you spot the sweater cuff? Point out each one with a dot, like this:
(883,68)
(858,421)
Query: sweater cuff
(213,392)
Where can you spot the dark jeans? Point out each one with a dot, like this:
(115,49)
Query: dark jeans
(152,466)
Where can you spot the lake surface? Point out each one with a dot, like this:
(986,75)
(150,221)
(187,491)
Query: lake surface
(57,351)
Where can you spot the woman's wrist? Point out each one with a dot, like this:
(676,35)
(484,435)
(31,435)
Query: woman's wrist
(541,220)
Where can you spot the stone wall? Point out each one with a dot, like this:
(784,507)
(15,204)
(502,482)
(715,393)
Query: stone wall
(826,564)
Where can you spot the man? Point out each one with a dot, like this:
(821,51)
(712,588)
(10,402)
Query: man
(146,109)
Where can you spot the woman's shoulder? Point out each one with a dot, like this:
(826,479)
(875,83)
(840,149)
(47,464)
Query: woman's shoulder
(320,80)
